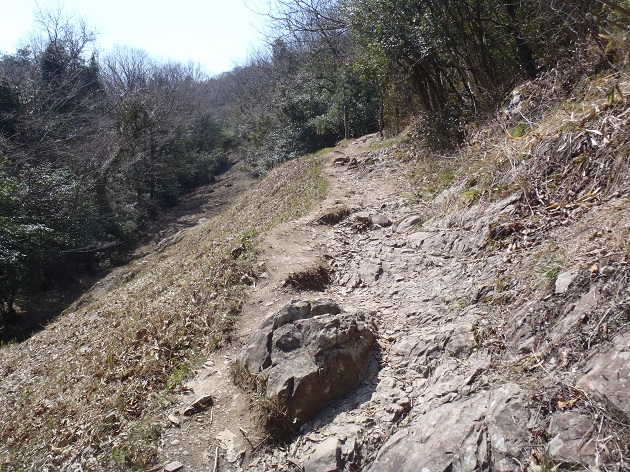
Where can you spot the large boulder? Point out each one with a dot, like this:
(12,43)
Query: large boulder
(309,353)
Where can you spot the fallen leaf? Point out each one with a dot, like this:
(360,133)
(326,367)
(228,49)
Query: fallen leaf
(566,404)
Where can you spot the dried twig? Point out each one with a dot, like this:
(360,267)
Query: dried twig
(596,330)
(216,459)
(244,433)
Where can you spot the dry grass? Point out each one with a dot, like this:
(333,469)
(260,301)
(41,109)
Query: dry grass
(274,422)
(90,389)
(572,153)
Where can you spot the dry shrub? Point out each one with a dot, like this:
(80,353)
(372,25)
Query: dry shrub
(315,278)
(334,216)
(273,420)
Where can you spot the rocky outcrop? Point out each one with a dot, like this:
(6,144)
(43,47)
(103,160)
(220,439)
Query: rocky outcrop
(325,458)
(409,223)
(573,439)
(309,353)
(608,375)
(424,444)
(487,431)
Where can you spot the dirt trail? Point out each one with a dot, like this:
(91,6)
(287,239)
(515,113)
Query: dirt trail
(288,248)
(441,345)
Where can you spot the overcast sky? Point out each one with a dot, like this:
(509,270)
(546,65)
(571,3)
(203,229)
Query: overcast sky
(218,34)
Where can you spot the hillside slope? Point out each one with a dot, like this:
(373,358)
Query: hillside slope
(497,278)
(502,307)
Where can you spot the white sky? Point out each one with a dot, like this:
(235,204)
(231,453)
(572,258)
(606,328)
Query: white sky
(218,34)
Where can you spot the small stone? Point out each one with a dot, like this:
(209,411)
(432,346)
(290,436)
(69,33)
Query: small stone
(381,220)
(564,280)
(233,456)
(608,374)
(409,223)
(226,439)
(175,442)
(363,217)
(325,458)
(173,466)
(174,419)
(85,350)
(199,404)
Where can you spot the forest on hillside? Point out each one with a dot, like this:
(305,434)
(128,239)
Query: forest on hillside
(94,145)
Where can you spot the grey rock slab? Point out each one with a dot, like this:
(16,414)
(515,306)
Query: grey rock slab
(482,432)
(173,466)
(573,439)
(608,374)
(507,421)
(449,193)
(409,223)
(450,437)
(363,217)
(478,219)
(381,220)
(481,215)
(462,339)
(416,240)
(564,280)
(325,458)
(370,270)
(426,343)
(448,381)
(581,311)
(198,405)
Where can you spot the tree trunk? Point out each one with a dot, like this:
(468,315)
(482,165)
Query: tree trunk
(525,55)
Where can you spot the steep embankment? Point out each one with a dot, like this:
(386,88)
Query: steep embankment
(496,278)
